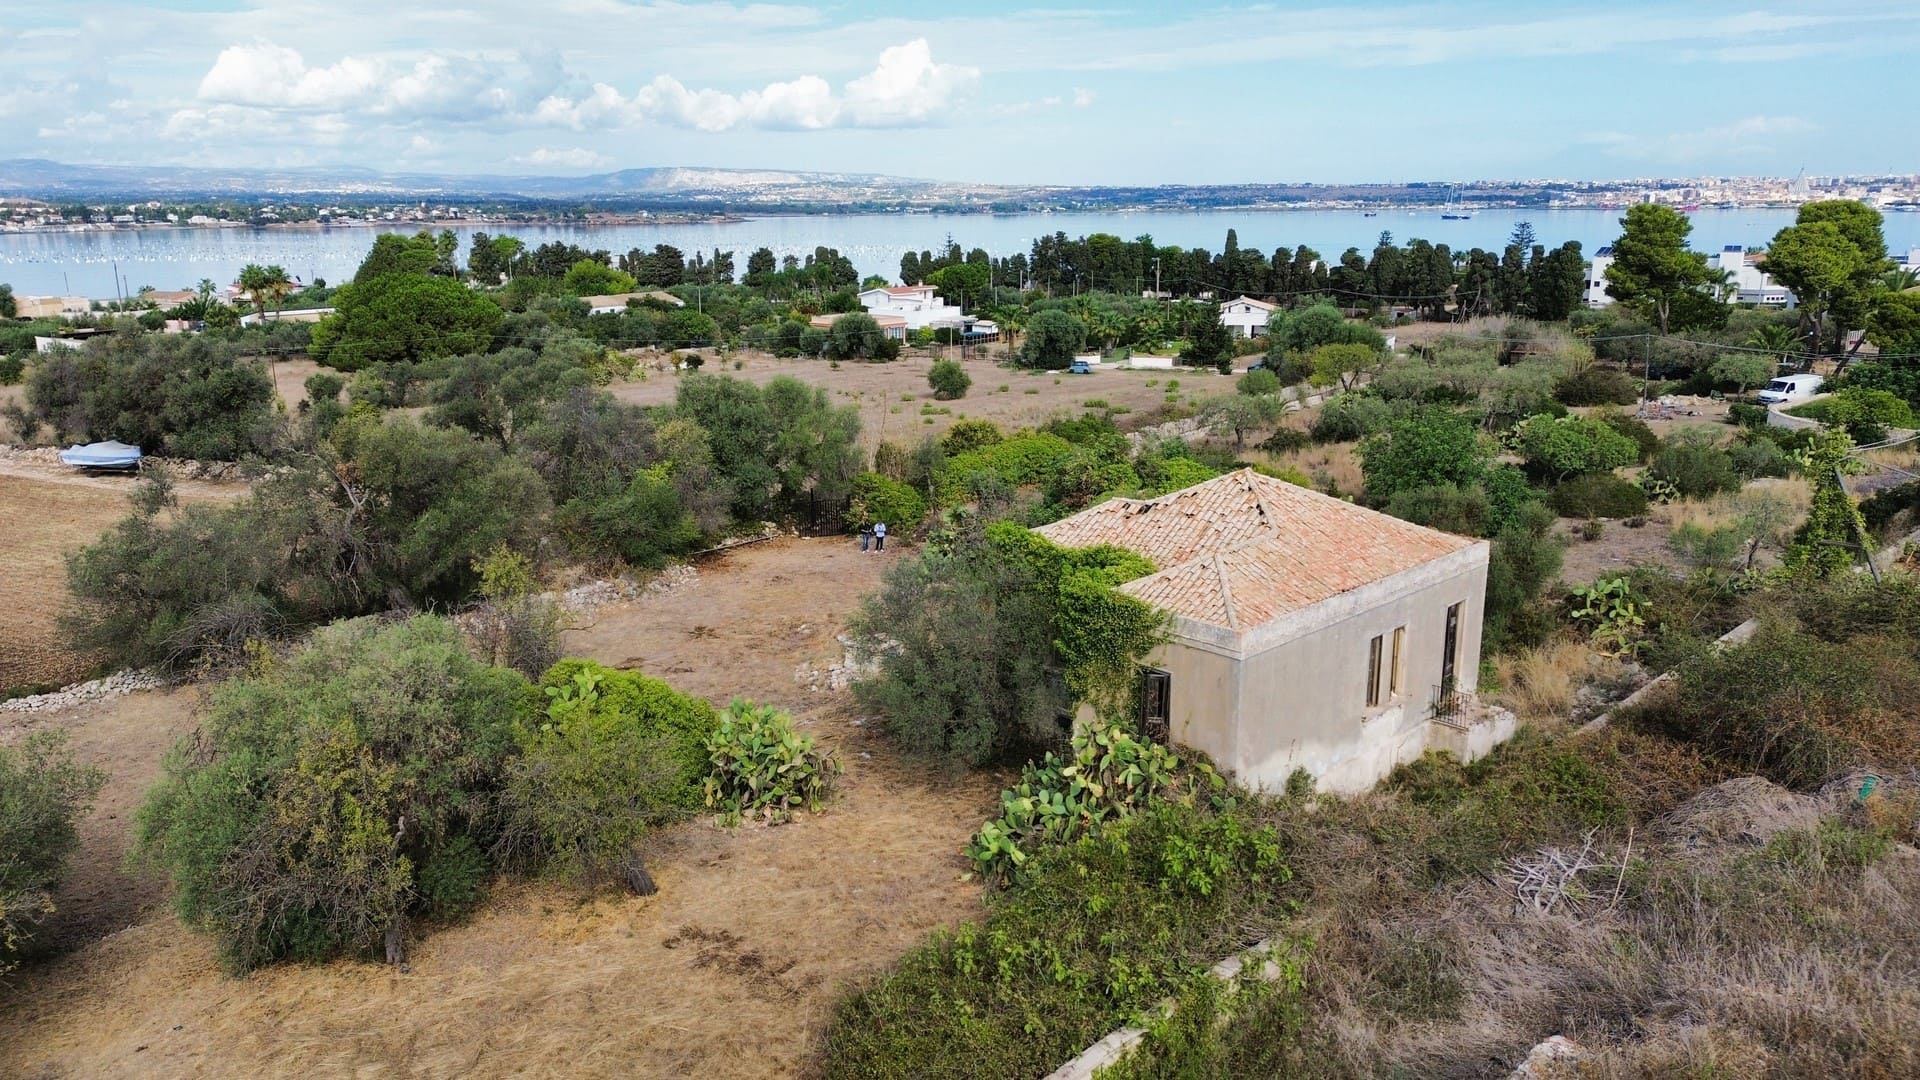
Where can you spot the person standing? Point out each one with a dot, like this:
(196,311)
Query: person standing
(879,536)
(866,535)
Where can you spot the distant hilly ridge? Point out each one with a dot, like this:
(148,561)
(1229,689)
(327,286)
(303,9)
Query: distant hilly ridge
(700,188)
(51,179)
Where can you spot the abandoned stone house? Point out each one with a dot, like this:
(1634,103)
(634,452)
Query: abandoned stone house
(1307,632)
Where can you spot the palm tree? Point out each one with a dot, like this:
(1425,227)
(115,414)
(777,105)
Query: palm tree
(1901,279)
(1781,341)
(253,281)
(277,285)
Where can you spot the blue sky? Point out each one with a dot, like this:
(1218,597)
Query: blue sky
(998,92)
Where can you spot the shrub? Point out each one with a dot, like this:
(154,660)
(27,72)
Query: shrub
(1798,709)
(1694,466)
(1596,385)
(1747,415)
(1755,458)
(1090,936)
(1556,448)
(969,435)
(294,823)
(1111,775)
(1348,417)
(982,642)
(1259,381)
(762,768)
(403,317)
(1526,557)
(1633,428)
(948,379)
(43,793)
(1053,336)
(183,395)
(1599,495)
(642,522)
(12,369)
(1447,507)
(1430,446)
(1285,441)
(1867,414)
(876,498)
(615,754)
(1022,460)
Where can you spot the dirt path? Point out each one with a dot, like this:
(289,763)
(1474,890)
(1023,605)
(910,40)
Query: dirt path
(730,971)
(127,737)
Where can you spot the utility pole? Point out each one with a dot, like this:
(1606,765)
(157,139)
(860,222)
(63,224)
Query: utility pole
(1156,277)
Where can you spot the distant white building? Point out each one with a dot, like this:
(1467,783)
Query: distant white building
(1246,317)
(1751,283)
(920,305)
(1597,278)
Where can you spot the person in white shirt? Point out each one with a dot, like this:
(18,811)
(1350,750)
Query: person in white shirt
(879,536)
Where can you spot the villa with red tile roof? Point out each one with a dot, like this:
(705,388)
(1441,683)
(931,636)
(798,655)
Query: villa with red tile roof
(1307,632)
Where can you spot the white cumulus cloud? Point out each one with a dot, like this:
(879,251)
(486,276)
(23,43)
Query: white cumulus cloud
(907,87)
(274,76)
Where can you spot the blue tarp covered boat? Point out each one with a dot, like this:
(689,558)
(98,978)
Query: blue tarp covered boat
(101,455)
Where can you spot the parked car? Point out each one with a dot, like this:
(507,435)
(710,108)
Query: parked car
(1080,367)
(1790,388)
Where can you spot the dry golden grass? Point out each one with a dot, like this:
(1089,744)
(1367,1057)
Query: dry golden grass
(1727,507)
(1332,466)
(729,971)
(1539,684)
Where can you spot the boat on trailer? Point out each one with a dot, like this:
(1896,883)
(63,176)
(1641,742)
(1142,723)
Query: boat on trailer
(101,455)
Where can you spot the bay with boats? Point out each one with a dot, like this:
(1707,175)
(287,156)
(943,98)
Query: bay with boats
(106,263)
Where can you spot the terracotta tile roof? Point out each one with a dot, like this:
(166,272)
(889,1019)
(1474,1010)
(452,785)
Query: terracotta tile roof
(1243,549)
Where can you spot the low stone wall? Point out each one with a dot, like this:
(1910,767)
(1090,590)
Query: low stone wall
(182,468)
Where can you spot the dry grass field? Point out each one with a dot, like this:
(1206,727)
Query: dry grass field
(897,405)
(729,971)
(45,513)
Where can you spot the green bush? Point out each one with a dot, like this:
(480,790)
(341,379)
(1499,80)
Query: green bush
(1447,507)
(643,522)
(984,639)
(295,823)
(1633,428)
(1019,461)
(1747,415)
(615,754)
(182,395)
(1694,466)
(1595,385)
(43,793)
(1348,417)
(1111,775)
(1526,558)
(13,368)
(1867,414)
(948,379)
(1259,381)
(1754,458)
(1430,446)
(762,768)
(876,498)
(969,435)
(1557,448)
(1286,440)
(1599,495)
(1090,936)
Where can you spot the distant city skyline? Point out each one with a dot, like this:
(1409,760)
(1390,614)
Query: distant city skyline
(1000,92)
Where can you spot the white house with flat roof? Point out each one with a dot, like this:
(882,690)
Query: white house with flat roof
(1307,632)
(1246,317)
(1751,285)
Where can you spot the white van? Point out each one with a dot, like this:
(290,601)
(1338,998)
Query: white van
(1788,388)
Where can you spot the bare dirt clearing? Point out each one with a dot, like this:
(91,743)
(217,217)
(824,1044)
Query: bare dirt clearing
(892,396)
(44,514)
(730,970)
